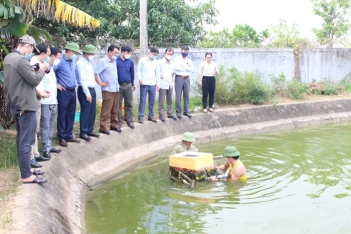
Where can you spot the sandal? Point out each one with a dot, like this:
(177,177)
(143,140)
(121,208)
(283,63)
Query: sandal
(37,180)
(38,172)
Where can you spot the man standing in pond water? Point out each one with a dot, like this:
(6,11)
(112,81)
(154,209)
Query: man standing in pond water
(186,145)
(234,169)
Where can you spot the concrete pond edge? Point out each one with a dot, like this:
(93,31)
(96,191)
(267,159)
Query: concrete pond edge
(58,206)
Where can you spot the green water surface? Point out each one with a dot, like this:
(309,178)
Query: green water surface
(298,182)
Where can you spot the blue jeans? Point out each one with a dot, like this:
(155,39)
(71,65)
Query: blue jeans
(66,111)
(26,124)
(47,122)
(151,91)
(87,111)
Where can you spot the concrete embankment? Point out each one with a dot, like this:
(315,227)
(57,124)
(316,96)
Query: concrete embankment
(58,206)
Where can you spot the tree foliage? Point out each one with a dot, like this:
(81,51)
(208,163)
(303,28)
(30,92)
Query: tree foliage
(283,35)
(170,22)
(240,36)
(335,14)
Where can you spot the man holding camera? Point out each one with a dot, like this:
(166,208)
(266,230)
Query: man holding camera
(20,81)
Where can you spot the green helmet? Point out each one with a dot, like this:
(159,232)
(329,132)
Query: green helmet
(188,136)
(74,47)
(89,49)
(230,151)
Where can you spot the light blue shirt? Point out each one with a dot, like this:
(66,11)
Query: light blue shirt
(148,71)
(106,69)
(85,75)
(183,67)
(65,73)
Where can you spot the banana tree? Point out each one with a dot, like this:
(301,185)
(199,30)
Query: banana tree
(17,15)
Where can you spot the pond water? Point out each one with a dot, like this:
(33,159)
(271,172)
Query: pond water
(298,182)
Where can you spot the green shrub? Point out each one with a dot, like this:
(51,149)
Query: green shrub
(345,84)
(223,91)
(248,88)
(279,84)
(325,88)
(296,89)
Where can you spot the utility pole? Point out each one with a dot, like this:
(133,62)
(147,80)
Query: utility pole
(143,28)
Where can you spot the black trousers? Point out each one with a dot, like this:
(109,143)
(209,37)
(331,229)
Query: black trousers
(208,89)
(87,111)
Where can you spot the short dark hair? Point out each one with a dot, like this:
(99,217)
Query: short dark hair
(154,50)
(208,53)
(126,48)
(169,49)
(42,48)
(112,47)
(55,51)
(184,47)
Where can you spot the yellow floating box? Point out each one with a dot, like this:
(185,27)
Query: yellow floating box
(196,165)
(191,160)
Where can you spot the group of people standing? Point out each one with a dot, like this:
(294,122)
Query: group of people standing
(38,86)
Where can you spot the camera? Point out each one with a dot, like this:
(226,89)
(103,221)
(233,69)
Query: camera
(36,67)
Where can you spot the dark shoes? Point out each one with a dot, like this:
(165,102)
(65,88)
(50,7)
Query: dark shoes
(179,116)
(187,114)
(74,140)
(118,129)
(152,119)
(172,117)
(140,121)
(54,150)
(34,164)
(105,132)
(93,134)
(47,155)
(41,158)
(84,137)
(131,125)
(63,143)
(162,118)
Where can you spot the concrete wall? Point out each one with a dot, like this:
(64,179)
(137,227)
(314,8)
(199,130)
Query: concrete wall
(58,206)
(313,64)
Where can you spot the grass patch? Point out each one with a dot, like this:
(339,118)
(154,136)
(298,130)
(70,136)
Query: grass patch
(8,151)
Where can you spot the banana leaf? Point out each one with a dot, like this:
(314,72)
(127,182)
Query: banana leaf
(16,27)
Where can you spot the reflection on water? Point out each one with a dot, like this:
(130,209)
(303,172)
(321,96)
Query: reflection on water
(298,182)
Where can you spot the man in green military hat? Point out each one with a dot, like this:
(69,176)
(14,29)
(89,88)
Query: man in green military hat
(86,93)
(66,93)
(186,145)
(234,169)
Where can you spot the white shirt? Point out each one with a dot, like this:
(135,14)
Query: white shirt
(50,84)
(208,69)
(167,74)
(40,87)
(85,75)
(183,67)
